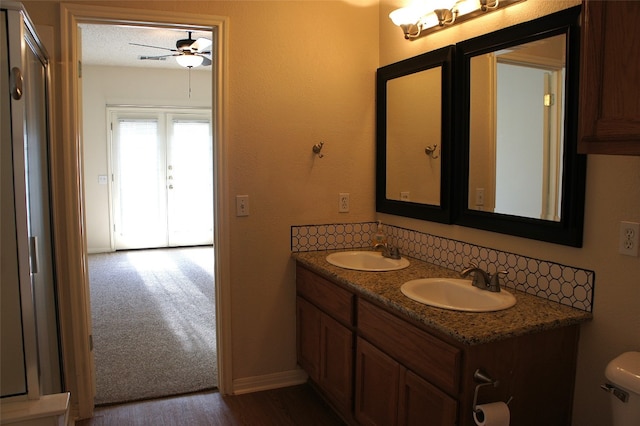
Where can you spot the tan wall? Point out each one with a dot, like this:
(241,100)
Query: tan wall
(612,195)
(299,73)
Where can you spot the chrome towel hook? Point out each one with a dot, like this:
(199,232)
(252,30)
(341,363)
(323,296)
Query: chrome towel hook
(317,148)
(431,151)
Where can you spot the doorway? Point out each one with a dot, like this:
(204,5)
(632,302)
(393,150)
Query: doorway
(160,189)
(75,319)
(528,141)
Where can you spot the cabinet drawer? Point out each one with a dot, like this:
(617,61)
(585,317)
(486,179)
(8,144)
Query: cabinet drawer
(418,350)
(335,301)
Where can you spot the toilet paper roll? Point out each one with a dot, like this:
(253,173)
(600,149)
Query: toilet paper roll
(493,414)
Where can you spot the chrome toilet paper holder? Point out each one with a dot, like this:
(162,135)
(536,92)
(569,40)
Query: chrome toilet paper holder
(484,380)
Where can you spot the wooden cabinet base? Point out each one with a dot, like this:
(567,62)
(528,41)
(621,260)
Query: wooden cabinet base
(391,370)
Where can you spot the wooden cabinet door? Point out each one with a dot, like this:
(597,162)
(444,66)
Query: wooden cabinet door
(308,337)
(336,363)
(609,85)
(415,349)
(421,403)
(377,384)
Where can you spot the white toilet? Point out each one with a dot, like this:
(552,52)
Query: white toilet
(623,375)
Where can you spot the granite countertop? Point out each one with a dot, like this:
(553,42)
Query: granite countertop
(530,314)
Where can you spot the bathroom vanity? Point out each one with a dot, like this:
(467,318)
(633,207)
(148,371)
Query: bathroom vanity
(381,358)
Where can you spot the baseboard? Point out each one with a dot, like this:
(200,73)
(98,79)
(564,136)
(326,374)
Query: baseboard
(99,250)
(269,381)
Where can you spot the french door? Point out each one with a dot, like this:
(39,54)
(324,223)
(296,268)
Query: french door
(162,168)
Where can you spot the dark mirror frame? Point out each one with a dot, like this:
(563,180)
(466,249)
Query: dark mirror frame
(444,58)
(568,231)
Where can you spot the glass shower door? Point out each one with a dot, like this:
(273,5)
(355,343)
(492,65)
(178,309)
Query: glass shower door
(27,235)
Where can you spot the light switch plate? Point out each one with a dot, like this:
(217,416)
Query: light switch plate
(242,205)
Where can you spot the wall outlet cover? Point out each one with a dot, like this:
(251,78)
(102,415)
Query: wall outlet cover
(629,238)
(343,202)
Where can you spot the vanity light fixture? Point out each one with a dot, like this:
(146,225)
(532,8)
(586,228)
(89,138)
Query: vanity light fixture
(425,16)
(189,60)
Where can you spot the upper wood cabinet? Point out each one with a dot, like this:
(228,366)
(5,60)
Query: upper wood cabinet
(610,78)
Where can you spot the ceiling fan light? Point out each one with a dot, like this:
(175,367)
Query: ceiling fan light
(189,60)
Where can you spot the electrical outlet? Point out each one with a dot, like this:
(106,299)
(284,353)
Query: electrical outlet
(242,205)
(629,238)
(343,203)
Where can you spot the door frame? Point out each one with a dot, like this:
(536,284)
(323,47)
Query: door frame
(75,313)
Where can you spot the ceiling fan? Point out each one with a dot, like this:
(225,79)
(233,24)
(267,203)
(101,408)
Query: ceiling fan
(189,53)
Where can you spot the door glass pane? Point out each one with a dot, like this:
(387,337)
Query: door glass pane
(141,184)
(190,178)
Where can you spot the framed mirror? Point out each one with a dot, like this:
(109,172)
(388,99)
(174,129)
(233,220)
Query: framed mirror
(520,173)
(413,136)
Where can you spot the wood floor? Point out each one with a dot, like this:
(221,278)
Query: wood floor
(296,405)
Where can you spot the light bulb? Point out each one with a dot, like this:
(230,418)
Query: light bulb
(189,60)
(410,14)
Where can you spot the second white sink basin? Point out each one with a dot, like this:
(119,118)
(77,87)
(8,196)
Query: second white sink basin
(457,295)
(372,261)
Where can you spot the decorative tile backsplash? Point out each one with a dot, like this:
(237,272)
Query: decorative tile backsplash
(564,284)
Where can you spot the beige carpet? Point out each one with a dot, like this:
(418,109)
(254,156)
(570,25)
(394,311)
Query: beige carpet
(153,315)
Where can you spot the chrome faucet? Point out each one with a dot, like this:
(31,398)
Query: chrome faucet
(482,279)
(387,251)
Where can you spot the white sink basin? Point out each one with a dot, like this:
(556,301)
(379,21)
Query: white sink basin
(457,295)
(372,261)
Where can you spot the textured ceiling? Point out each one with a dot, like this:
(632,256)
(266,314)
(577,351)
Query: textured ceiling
(109,45)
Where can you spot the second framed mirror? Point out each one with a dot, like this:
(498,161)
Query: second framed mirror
(520,171)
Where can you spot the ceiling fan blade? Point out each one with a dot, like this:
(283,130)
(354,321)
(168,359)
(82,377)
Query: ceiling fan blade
(205,61)
(155,47)
(200,44)
(155,58)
